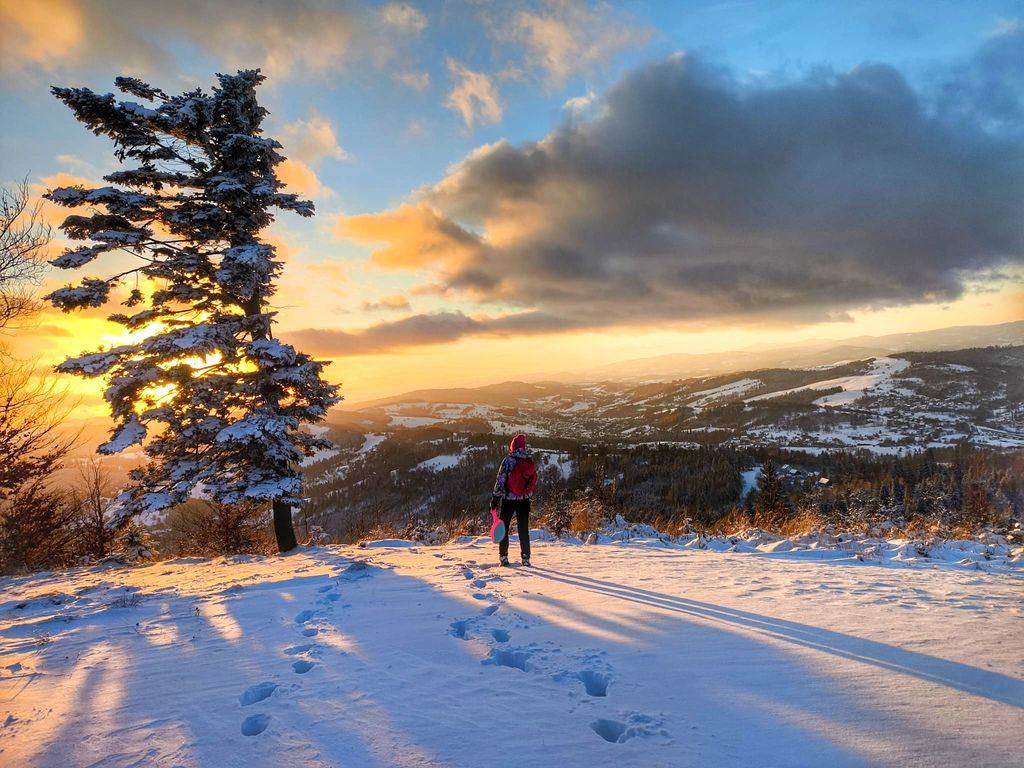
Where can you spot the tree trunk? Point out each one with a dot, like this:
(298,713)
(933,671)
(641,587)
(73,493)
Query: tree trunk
(283,529)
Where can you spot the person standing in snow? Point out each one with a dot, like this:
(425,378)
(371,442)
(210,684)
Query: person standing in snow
(516,482)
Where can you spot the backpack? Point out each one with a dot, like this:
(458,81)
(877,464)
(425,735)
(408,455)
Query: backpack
(523,477)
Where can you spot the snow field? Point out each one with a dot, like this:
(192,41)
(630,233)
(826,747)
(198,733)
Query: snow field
(634,654)
(854,387)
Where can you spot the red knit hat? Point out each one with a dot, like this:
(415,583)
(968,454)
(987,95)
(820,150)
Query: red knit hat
(518,443)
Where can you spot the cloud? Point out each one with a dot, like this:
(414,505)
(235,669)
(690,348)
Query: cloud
(474,96)
(688,197)
(990,85)
(563,38)
(40,33)
(146,36)
(414,331)
(416,129)
(405,17)
(417,331)
(302,180)
(418,238)
(418,81)
(580,105)
(311,140)
(396,301)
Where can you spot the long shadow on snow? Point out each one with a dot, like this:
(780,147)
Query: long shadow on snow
(141,710)
(963,677)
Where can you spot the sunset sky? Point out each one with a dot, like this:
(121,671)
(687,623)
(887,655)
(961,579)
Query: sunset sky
(512,188)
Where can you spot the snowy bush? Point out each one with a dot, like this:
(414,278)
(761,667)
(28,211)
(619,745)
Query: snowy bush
(318,536)
(135,544)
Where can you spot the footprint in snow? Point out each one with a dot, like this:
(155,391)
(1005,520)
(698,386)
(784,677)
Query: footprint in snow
(325,588)
(304,616)
(637,724)
(254,725)
(501,635)
(510,658)
(479,583)
(302,666)
(595,683)
(481,596)
(310,632)
(459,629)
(295,650)
(610,730)
(490,610)
(256,693)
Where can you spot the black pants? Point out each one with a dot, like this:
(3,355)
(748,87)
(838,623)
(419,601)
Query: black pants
(520,508)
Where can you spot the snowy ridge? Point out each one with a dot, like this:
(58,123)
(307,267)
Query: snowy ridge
(895,404)
(854,387)
(706,396)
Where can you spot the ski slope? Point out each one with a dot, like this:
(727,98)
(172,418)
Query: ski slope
(625,654)
(853,387)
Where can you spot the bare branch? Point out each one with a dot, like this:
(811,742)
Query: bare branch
(23,240)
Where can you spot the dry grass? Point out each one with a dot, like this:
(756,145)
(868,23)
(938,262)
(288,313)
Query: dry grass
(675,525)
(736,521)
(799,524)
(585,515)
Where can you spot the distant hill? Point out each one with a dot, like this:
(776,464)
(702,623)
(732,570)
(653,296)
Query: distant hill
(808,353)
(886,404)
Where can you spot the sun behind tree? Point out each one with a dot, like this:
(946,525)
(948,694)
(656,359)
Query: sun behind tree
(206,389)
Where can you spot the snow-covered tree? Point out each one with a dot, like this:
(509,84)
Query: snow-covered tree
(205,387)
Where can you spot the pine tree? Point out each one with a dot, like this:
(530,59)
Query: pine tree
(771,504)
(208,391)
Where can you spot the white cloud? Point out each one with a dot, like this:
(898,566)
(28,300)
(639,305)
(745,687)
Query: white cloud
(474,96)
(416,129)
(418,81)
(310,141)
(405,17)
(564,38)
(579,104)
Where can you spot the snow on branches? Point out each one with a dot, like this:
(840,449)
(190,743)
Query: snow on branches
(225,398)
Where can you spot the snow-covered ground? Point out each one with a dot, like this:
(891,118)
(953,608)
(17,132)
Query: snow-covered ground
(634,654)
(370,442)
(558,459)
(854,387)
(732,389)
(439,463)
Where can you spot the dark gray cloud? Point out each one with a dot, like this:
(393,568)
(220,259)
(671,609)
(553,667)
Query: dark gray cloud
(419,330)
(689,197)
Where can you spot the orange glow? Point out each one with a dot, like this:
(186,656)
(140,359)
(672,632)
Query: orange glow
(416,237)
(319,299)
(302,180)
(40,32)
